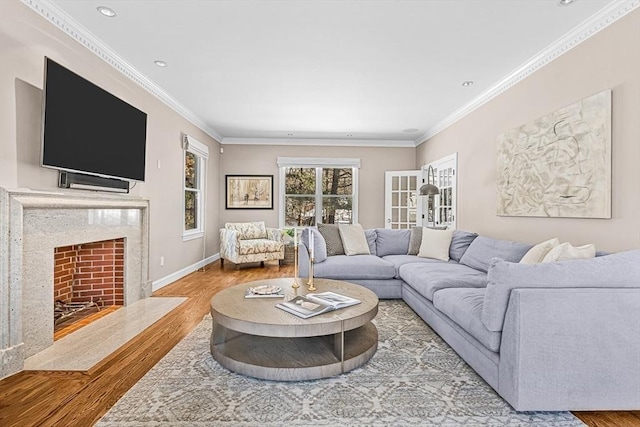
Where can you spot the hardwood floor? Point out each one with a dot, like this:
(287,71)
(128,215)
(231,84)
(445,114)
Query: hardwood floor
(58,398)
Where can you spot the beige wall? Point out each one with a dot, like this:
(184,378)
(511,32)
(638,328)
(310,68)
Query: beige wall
(609,60)
(261,160)
(25,39)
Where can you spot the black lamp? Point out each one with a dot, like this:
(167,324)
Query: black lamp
(430,189)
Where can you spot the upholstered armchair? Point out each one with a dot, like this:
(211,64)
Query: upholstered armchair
(242,242)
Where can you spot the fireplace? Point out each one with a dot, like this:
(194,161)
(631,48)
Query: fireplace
(32,225)
(86,278)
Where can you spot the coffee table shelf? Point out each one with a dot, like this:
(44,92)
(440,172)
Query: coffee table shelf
(254,338)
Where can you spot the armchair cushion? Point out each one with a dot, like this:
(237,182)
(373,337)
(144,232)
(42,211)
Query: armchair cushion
(259,246)
(248,230)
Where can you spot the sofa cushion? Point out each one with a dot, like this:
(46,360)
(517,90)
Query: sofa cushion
(248,230)
(332,238)
(621,270)
(400,260)
(537,253)
(342,267)
(464,306)
(567,251)
(427,278)
(460,243)
(259,246)
(371,236)
(435,244)
(415,240)
(354,240)
(483,249)
(392,242)
(319,245)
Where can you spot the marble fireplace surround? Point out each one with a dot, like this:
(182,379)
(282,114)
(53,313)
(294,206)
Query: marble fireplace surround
(32,224)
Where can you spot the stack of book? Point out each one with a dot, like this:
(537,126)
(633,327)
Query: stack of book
(314,304)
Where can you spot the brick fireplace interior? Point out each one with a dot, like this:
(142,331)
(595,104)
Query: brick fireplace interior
(88,278)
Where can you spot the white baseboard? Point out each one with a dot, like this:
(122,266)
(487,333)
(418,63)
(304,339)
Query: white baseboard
(164,281)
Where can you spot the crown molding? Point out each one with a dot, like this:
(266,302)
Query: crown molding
(318,142)
(56,16)
(601,20)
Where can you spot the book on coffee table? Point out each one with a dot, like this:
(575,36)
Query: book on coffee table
(314,304)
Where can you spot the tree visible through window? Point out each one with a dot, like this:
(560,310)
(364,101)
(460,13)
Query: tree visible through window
(191,191)
(314,194)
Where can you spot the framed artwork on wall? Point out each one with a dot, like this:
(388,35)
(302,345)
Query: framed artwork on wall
(249,192)
(558,165)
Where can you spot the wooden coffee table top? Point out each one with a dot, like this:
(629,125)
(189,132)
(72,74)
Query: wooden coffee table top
(259,316)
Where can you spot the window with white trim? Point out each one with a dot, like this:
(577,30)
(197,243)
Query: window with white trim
(314,190)
(195,157)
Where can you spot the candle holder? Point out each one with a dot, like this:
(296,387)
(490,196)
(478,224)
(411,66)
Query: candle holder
(310,281)
(295,266)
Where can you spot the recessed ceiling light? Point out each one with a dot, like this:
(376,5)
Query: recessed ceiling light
(565,2)
(290,134)
(160,63)
(349,134)
(410,130)
(467,83)
(106,11)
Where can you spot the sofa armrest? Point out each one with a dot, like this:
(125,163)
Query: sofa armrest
(276,234)
(229,243)
(571,349)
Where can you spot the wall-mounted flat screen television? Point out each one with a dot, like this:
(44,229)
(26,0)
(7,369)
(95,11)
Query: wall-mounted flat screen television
(88,130)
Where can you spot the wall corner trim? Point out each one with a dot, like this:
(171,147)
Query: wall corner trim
(599,21)
(56,16)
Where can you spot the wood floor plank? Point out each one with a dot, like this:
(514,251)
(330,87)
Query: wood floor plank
(59,398)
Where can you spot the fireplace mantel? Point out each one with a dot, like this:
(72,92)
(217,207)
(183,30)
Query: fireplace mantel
(32,223)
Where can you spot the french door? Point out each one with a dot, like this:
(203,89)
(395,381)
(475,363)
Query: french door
(443,208)
(401,204)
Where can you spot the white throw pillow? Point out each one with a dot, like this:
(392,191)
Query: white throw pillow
(435,244)
(537,253)
(566,251)
(353,239)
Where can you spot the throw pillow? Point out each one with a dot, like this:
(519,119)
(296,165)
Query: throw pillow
(537,253)
(415,241)
(332,237)
(435,244)
(353,239)
(566,251)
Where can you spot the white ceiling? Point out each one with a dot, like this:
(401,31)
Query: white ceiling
(342,70)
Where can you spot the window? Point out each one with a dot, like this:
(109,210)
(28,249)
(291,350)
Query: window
(195,156)
(314,190)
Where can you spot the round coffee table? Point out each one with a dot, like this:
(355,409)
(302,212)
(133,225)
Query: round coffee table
(253,337)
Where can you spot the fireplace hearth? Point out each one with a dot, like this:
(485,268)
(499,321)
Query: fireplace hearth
(32,225)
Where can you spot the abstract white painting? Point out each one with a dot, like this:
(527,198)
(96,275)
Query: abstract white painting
(558,165)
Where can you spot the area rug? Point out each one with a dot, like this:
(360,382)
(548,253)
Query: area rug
(414,379)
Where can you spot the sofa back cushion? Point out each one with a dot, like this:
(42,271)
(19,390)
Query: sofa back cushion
(319,245)
(621,270)
(460,243)
(483,249)
(392,242)
(248,230)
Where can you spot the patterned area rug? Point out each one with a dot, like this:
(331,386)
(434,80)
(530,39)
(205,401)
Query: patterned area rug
(414,379)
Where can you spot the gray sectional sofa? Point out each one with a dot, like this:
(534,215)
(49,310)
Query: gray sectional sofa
(552,336)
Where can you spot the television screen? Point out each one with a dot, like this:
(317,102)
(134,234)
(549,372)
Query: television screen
(88,130)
